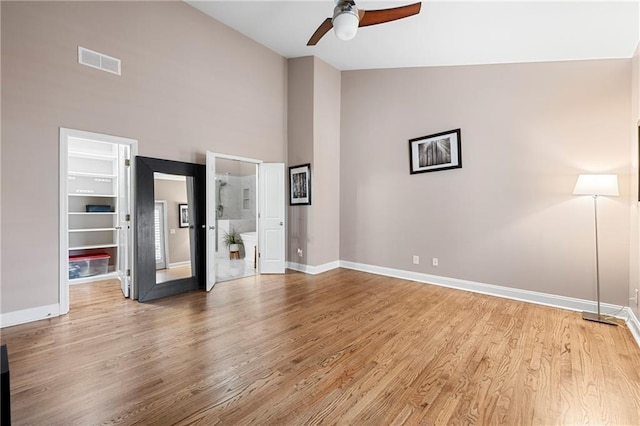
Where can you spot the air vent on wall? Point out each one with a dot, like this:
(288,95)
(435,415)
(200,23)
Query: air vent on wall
(98,60)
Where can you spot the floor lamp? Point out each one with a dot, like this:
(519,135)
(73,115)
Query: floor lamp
(596,186)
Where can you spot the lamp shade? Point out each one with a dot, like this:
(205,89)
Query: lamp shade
(345,25)
(597,185)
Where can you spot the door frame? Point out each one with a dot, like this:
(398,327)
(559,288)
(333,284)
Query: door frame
(63,255)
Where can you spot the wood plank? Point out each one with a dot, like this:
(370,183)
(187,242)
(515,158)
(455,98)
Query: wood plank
(341,347)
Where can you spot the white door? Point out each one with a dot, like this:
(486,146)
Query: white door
(160,235)
(271,241)
(123,227)
(211,221)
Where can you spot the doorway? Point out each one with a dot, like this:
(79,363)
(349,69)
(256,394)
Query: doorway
(96,237)
(236,219)
(245,218)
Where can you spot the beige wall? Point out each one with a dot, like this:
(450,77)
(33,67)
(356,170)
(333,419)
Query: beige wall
(314,132)
(634,252)
(188,84)
(174,193)
(299,150)
(326,164)
(507,217)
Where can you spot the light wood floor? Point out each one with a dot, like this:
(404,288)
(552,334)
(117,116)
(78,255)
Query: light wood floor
(342,347)
(170,274)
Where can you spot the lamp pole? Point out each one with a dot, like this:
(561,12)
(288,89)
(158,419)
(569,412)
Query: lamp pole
(597,185)
(590,316)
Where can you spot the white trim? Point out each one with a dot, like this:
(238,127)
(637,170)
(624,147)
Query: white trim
(94,278)
(236,158)
(63,225)
(313,270)
(178,264)
(538,298)
(633,324)
(29,315)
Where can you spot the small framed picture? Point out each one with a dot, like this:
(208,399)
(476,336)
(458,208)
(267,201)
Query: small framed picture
(183,215)
(300,185)
(432,153)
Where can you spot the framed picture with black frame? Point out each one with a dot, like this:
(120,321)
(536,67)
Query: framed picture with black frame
(432,153)
(300,185)
(183,215)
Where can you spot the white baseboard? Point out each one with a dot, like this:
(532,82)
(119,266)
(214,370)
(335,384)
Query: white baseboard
(313,270)
(94,278)
(545,299)
(633,324)
(8,319)
(179,264)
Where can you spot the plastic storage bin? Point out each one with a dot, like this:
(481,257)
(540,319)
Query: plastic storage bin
(88,265)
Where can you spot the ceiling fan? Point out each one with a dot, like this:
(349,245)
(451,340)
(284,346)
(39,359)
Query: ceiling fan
(347,18)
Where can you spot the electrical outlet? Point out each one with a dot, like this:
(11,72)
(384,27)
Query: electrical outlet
(299,252)
(416,260)
(434,261)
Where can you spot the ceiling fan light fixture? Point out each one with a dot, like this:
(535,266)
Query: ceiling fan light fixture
(345,25)
(345,21)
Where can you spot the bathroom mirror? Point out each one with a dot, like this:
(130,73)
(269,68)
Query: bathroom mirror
(170,212)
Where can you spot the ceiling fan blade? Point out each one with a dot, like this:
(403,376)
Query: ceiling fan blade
(320,32)
(373,17)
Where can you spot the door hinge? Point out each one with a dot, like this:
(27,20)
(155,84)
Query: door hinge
(129,274)
(127,162)
(127,217)
(258,254)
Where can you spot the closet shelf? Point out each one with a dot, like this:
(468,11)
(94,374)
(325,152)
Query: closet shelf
(92,213)
(97,246)
(91,155)
(92,229)
(98,175)
(92,195)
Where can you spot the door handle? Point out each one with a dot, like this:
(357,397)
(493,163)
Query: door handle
(212,228)
(204,226)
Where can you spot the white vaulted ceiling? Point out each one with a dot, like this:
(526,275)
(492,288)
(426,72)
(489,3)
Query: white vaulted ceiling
(444,33)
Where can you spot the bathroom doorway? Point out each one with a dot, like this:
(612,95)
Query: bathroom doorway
(236,217)
(245,218)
